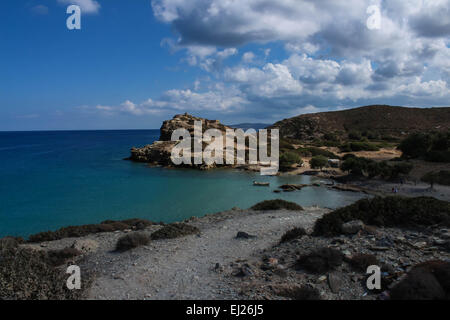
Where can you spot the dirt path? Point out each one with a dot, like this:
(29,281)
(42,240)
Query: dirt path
(185,268)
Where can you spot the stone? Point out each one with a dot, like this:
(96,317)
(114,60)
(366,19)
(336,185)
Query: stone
(420,245)
(85,245)
(244,235)
(335,281)
(352,227)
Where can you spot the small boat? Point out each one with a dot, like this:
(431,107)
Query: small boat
(261,184)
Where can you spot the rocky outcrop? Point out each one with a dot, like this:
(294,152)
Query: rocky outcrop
(160,151)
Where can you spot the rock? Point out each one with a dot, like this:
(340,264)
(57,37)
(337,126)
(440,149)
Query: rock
(352,227)
(375,248)
(321,279)
(385,242)
(159,153)
(420,245)
(335,281)
(244,235)
(85,245)
(244,271)
(445,235)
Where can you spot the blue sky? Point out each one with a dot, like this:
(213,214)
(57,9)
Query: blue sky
(136,63)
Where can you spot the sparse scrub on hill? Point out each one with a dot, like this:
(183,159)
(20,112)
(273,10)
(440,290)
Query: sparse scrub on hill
(277,204)
(81,231)
(359,146)
(293,234)
(132,240)
(174,230)
(388,212)
(27,274)
(320,261)
(59,257)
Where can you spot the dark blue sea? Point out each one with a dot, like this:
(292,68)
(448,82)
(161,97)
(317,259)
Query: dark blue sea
(50,180)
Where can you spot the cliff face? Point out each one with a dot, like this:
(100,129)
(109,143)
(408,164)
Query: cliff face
(385,120)
(160,151)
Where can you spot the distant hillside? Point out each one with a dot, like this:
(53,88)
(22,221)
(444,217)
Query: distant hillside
(381,119)
(246,126)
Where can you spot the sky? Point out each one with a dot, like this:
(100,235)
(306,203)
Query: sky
(136,63)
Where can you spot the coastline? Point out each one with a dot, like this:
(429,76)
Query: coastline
(215,264)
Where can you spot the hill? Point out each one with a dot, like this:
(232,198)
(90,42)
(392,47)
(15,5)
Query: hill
(381,120)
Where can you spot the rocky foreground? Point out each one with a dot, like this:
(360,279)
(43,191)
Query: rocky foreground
(275,250)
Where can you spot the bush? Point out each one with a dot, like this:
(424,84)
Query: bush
(320,261)
(27,274)
(277,204)
(426,281)
(59,257)
(81,231)
(174,230)
(362,261)
(387,212)
(287,159)
(132,240)
(359,146)
(429,146)
(318,162)
(354,135)
(293,234)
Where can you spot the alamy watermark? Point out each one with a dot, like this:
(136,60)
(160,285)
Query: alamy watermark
(73,22)
(231,149)
(74,280)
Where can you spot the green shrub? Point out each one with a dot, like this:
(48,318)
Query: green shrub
(277,204)
(132,240)
(174,230)
(433,147)
(81,231)
(287,159)
(388,212)
(359,146)
(318,162)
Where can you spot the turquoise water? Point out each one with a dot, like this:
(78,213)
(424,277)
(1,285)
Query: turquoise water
(53,179)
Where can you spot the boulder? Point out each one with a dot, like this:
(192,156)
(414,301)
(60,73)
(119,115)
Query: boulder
(352,227)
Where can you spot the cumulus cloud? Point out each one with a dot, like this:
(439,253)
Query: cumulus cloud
(87,6)
(331,60)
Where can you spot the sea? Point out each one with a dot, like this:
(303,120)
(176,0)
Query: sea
(50,180)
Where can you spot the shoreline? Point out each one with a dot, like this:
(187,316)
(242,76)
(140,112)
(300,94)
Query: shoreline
(215,264)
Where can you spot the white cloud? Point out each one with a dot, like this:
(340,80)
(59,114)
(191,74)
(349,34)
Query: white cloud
(87,6)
